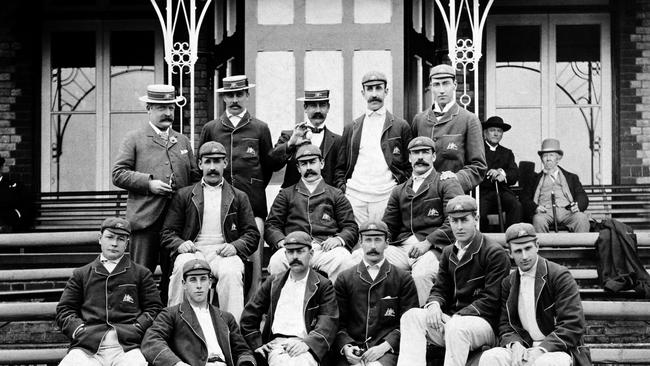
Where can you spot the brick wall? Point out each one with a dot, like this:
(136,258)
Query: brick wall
(17,110)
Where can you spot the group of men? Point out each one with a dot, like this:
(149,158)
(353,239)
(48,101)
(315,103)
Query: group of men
(422,269)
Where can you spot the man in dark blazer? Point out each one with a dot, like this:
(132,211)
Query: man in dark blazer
(556,195)
(361,173)
(108,304)
(322,211)
(211,220)
(463,307)
(456,132)
(542,322)
(152,164)
(196,332)
(502,170)
(417,222)
(314,131)
(372,297)
(300,308)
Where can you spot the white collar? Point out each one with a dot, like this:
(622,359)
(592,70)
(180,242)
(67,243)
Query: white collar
(104,259)
(240,115)
(379,264)
(532,271)
(379,112)
(436,107)
(158,130)
(303,280)
(209,186)
(492,148)
(423,176)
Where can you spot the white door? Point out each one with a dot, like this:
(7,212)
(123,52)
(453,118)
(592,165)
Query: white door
(549,77)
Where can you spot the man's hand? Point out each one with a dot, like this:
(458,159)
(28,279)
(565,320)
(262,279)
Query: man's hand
(447,175)
(518,351)
(419,249)
(434,316)
(159,187)
(376,352)
(574,207)
(295,347)
(186,247)
(348,352)
(264,349)
(330,244)
(540,209)
(226,250)
(299,135)
(494,174)
(280,244)
(532,354)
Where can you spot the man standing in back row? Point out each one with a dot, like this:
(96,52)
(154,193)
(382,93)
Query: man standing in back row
(456,132)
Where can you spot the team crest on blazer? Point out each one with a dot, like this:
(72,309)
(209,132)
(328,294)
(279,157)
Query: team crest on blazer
(326,217)
(433,212)
(396,151)
(250,150)
(233,227)
(128,298)
(452,146)
(390,312)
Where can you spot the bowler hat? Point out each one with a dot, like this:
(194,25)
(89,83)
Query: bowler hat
(196,266)
(461,206)
(442,71)
(116,225)
(496,121)
(212,149)
(520,233)
(235,83)
(550,145)
(297,239)
(422,142)
(161,94)
(373,78)
(308,151)
(315,96)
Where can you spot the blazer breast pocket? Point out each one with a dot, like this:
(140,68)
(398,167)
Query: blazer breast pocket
(389,310)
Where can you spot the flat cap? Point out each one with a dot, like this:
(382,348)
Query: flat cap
(212,149)
(422,142)
(308,151)
(373,227)
(196,266)
(442,71)
(297,239)
(374,77)
(520,233)
(117,225)
(460,206)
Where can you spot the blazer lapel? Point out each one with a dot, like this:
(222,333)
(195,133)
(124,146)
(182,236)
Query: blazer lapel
(227,197)
(149,132)
(362,271)
(189,317)
(223,333)
(513,303)
(197,200)
(310,290)
(328,141)
(540,278)
(472,249)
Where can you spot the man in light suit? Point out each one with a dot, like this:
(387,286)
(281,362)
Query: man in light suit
(542,322)
(153,162)
(314,131)
(456,132)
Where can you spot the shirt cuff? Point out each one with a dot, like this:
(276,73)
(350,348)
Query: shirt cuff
(427,305)
(74,334)
(342,241)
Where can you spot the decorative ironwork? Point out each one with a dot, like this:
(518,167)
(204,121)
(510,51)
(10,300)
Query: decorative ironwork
(181,56)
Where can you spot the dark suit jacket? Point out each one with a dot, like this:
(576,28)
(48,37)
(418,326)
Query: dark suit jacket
(394,144)
(284,155)
(373,309)
(130,294)
(558,311)
(176,335)
(183,220)
(320,311)
(575,187)
(143,156)
(502,158)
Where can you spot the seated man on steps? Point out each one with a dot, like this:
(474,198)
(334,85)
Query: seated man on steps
(542,322)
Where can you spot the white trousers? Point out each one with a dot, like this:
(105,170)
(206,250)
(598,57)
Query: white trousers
(500,356)
(459,336)
(228,270)
(110,353)
(278,357)
(365,211)
(332,262)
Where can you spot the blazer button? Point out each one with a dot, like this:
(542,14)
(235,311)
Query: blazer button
(166,163)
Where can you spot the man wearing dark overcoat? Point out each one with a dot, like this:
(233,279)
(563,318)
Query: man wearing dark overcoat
(502,170)
(542,322)
(456,132)
(372,297)
(314,131)
(300,308)
(196,332)
(211,220)
(108,304)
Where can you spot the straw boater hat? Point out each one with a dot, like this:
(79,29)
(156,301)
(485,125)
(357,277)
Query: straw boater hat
(550,145)
(161,94)
(496,121)
(235,83)
(315,96)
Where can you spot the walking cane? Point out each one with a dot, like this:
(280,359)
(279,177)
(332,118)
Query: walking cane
(496,185)
(554,212)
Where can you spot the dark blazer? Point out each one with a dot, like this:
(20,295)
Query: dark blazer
(129,294)
(284,155)
(143,156)
(575,187)
(459,143)
(502,158)
(320,311)
(422,213)
(558,312)
(373,309)
(176,335)
(248,145)
(471,286)
(323,214)
(183,220)
(394,144)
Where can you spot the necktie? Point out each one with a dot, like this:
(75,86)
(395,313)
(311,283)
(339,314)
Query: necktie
(438,114)
(316,129)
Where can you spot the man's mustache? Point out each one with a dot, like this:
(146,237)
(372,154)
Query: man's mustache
(234,104)
(309,173)
(421,162)
(167,119)
(214,172)
(373,252)
(318,115)
(375,99)
(295,261)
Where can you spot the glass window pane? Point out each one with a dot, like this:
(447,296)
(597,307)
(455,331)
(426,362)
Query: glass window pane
(577,129)
(518,43)
(73,71)
(132,68)
(373,11)
(73,164)
(518,67)
(524,138)
(323,12)
(578,69)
